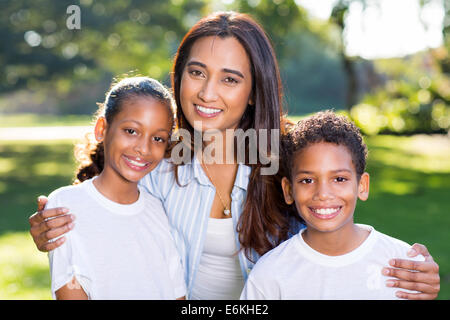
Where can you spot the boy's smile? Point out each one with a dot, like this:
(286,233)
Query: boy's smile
(325,187)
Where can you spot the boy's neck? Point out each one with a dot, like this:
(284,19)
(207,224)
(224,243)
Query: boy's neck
(338,242)
(115,189)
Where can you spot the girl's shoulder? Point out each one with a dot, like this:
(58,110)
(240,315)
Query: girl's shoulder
(67,191)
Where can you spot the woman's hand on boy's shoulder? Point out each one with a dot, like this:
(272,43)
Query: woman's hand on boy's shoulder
(48,224)
(421,276)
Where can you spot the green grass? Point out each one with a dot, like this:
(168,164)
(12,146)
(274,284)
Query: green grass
(36,120)
(410,188)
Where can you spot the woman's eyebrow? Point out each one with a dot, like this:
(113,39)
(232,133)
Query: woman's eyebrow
(227,70)
(234,72)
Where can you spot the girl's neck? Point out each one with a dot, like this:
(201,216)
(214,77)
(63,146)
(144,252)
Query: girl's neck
(335,243)
(116,189)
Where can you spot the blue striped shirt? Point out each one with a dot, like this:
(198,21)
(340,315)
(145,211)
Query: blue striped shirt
(188,209)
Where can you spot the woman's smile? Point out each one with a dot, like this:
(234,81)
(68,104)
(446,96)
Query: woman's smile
(216,84)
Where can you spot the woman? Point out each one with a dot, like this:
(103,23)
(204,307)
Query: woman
(225,77)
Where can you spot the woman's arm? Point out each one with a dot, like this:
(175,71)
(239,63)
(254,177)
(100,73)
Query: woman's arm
(71,291)
(415,275)
(42,230)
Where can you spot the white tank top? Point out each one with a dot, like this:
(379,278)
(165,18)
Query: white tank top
(219,275)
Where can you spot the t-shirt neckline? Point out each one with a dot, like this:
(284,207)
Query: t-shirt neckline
(341,260)
(112,206)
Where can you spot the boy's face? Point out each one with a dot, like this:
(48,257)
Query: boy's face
(325,186)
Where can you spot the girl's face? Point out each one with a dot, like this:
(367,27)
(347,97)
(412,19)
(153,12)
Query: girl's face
(216,84)
(325,187)
(136,140)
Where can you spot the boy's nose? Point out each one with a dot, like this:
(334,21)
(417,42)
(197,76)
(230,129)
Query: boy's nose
(323,192)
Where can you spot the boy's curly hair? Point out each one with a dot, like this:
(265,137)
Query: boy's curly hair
(324,126)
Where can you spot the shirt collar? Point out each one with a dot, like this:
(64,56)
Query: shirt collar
(194,169)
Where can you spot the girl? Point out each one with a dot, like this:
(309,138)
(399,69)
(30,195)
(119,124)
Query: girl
(116,219)
(225,77)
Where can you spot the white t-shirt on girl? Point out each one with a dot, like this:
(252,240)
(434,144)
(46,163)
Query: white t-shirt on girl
(295,271)
(116,251)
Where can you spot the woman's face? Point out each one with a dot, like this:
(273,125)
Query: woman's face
(216,84)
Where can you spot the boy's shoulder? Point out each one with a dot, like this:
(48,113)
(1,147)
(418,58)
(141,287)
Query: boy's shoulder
(278,257)
(393,247)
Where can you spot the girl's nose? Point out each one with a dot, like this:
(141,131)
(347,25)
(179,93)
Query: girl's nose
(208,91)
(143,147)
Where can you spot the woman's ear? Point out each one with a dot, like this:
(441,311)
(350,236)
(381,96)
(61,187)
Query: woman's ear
(100,129)
(363,187)
(287,190)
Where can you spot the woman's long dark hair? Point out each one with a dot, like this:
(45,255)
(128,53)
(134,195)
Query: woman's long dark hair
(262,226)
(90,154)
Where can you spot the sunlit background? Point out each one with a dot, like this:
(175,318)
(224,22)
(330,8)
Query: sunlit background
(384,63)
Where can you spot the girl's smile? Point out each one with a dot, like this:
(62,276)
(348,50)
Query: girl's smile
(136,140)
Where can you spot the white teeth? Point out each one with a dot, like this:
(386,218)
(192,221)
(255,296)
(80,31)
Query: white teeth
(138,164)
(207,110)
(327,211)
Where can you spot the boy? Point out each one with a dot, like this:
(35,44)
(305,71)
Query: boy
(333,258)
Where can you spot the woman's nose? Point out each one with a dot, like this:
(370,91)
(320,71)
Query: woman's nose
(208,91)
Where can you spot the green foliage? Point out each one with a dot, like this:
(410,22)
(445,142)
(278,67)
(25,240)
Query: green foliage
(414,99)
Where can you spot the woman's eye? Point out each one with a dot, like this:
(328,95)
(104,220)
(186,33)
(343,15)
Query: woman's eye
(230,80)
(195,73)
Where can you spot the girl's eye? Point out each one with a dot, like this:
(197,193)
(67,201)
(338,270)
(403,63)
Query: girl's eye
(230,80)
(340,179)
(130,131)
(306,181)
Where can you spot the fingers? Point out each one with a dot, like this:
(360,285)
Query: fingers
(49,246)
(42,201)
(44,240)
(43,229)
(423,266)
(414,286)
(418,248)
(41,216)
(415,296)
(424,278)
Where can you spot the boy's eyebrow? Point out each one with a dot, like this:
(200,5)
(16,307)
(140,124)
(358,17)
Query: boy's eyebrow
(197,63)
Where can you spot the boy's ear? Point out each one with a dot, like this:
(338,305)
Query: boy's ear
(363,187)
(100,129)
(287,190)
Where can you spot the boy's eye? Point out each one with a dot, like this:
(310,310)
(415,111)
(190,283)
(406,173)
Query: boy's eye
(341,179)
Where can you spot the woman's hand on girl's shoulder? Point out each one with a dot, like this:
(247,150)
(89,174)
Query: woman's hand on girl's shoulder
(421,276)
(47,224)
